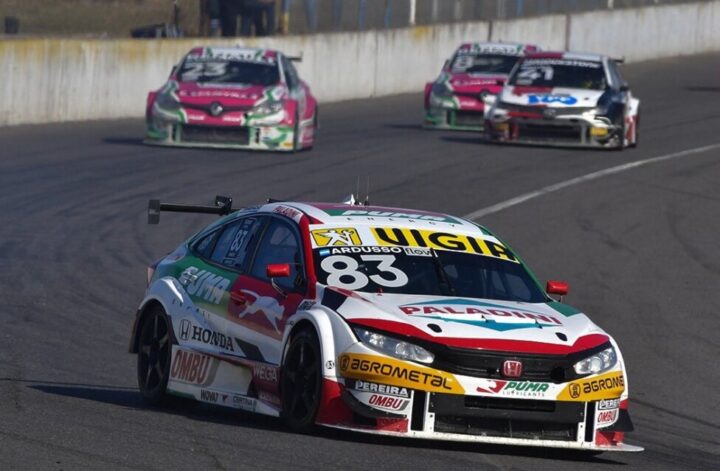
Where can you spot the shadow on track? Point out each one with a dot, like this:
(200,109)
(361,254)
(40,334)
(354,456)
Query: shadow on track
(703,89)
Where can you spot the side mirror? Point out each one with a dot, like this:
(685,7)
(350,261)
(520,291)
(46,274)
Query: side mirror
(557,287)
(278,270)
(174,70)
(624,87)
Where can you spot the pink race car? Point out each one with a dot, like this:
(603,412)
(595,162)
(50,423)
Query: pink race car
(456,99)
(233,97)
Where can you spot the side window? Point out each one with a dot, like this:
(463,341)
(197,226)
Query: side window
(234,242)
(279,244)
(291,75)
(204,246)
(615,75)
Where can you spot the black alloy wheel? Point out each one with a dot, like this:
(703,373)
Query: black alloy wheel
(153,360)
(301,381)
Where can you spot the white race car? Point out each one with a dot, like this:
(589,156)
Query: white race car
(378,320)
(565,98)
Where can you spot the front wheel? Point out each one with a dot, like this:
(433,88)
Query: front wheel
(153,360)
(301,381)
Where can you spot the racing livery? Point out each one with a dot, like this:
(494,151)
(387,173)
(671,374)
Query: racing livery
(379,320)
(565,98)
(456,99)
(233,97)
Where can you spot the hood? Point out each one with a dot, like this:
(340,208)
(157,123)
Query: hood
(470,323)
(194,93)
(475,83)
(551,97)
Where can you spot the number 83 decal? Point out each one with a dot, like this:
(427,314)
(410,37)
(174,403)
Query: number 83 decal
(344,272)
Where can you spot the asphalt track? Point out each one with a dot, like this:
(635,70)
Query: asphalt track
(639,248)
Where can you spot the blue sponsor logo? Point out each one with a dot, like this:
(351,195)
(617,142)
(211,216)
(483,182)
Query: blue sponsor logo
(548,99)
(324,252)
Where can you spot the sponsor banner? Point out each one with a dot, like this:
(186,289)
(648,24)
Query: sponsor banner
(359,250)
(336,236)
(383,402)
(387,389)
(191,332)
(193,368)
(524,389)
(244,403)
(266,374)
(292,213)
(403,237)
(605,418)
(204,284)
(607,404)
(214,397)
(607,386)
(397,373)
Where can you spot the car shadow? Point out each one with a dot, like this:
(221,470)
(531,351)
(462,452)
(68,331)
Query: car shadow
(413,127)
(130,398)
(124,141)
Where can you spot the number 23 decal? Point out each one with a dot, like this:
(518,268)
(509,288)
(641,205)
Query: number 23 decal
(343,272)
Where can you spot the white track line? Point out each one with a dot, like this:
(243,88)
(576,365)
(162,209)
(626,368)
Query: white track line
(585,178)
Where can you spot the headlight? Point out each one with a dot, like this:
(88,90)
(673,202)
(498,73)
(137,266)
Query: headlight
(393,347)
(167,102)
(269,107)
(597,363)
(441,89)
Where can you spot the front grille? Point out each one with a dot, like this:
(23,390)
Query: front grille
(488,364)
(210,134)
(494,403)
(469,118)
(505,428)
(539,132)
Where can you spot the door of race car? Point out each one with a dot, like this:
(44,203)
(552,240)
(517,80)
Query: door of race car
(296,88)
(259,305)
(208,279)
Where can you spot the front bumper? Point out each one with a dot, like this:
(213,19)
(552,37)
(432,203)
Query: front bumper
(456,120)
(392,397)
(570,131)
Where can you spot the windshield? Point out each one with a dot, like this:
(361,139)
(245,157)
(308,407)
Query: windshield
(235,72)
(484,63)
(564,73)
(414,270)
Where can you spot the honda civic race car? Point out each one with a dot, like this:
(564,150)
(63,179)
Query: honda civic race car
(233,97)
(565,98)
(379,320)
(456,99)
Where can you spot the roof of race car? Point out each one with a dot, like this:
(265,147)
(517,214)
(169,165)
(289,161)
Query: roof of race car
(235,53)
(339,214)
(579,56)
(508,48)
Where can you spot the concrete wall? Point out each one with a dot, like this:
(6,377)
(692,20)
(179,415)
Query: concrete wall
(45,80)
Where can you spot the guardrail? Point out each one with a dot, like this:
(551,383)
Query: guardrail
(47,80)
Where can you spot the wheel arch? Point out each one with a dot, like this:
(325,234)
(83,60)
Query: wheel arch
(142,313)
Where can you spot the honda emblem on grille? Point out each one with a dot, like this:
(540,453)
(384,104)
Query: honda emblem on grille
(549,113)
(216,109)
(512,368)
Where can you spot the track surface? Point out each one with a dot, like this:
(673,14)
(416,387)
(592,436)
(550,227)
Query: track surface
(640,250)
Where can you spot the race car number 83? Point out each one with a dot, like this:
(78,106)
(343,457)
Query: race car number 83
(344,272)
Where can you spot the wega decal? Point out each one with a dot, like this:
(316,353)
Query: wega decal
(338,236)
(390,371)
(193,368)
(607,386)
(204,284)
(265,373)
(441,240)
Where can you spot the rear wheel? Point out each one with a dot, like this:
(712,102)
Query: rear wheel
(301,381)
(153,360)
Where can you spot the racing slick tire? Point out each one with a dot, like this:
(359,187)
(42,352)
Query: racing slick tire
(301,381)
(296,133)
(153,359)
(620,144)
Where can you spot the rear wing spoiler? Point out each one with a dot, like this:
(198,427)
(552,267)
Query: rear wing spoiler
(222,207)
(619,60)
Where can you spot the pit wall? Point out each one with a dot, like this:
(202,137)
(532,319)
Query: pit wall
(52,80)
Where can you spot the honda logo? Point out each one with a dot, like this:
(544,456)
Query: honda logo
(512,368)
(216,109)
(184,329)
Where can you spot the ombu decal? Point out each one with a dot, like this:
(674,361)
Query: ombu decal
(441,240)
(386,370)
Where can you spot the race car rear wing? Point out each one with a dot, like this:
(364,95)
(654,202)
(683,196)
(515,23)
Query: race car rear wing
(223,206)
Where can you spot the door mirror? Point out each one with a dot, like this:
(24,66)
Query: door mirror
(278,270)
(557,287)
(624,87)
